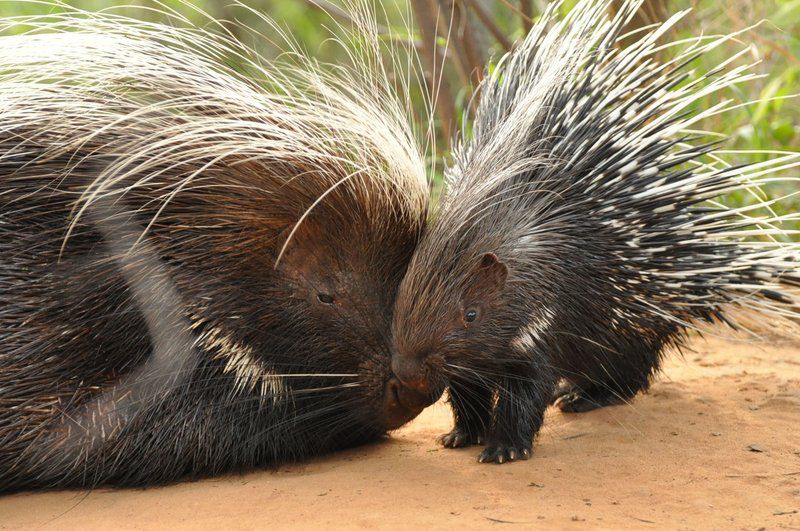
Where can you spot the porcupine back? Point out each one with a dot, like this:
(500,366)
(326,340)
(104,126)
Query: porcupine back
(171,230)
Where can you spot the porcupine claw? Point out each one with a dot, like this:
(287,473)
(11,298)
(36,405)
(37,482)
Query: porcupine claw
(562,388)
(459,438)
(500,453)
(573,399)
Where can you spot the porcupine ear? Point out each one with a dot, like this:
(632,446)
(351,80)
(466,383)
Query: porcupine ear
(488,278)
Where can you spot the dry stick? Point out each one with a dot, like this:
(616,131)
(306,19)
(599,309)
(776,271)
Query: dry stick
(426,16)
(472,38)
(464,42)
(651,12)
(518,11)
(527,15)
(762,476)
(487,21)
(782,50)
(476,54)
(456,47)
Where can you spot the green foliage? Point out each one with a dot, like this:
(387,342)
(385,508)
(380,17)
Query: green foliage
(773,123)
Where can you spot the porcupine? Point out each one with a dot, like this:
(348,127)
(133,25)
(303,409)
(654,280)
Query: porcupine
(579,236)
(197,260)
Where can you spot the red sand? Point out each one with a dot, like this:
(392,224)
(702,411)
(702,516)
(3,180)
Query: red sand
(715,444)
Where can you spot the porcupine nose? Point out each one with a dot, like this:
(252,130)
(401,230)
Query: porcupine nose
(399,406)
(411,373)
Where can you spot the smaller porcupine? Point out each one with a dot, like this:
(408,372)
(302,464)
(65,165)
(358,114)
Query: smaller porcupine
(197,262)
(579,237)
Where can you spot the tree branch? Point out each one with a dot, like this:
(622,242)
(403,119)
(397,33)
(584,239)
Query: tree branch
(527,15)
(487,21)
(426,15)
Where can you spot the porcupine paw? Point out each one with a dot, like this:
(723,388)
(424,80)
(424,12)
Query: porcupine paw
(563,388)
(573,399)
(459,438)
(500,453)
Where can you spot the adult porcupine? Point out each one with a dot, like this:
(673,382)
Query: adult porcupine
(196,264)
(578,238)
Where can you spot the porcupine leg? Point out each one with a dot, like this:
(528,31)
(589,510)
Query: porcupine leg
(519,413)
(472,408)
(613,381)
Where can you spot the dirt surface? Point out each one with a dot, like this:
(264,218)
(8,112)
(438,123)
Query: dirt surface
(715,444)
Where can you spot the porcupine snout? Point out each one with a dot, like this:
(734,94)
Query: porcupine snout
(411,372)
(416,386)
(401,404)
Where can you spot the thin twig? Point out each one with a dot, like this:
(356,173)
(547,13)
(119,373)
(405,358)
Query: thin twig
(642,519)
(527,15)
(463,41)
(518,11)
(762,476)
(487,21)
(575,436)
(456,51)
(426,17)
(782,50)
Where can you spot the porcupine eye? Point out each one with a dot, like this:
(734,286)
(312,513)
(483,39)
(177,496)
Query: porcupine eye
(470,315)
(324,298)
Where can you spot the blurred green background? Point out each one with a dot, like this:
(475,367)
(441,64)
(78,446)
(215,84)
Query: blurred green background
(482,29)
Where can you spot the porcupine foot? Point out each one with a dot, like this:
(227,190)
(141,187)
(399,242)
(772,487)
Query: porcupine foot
(460,437)
(571,398)
(518,414)
(471,405)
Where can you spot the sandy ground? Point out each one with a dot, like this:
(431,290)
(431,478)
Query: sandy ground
(715,444)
